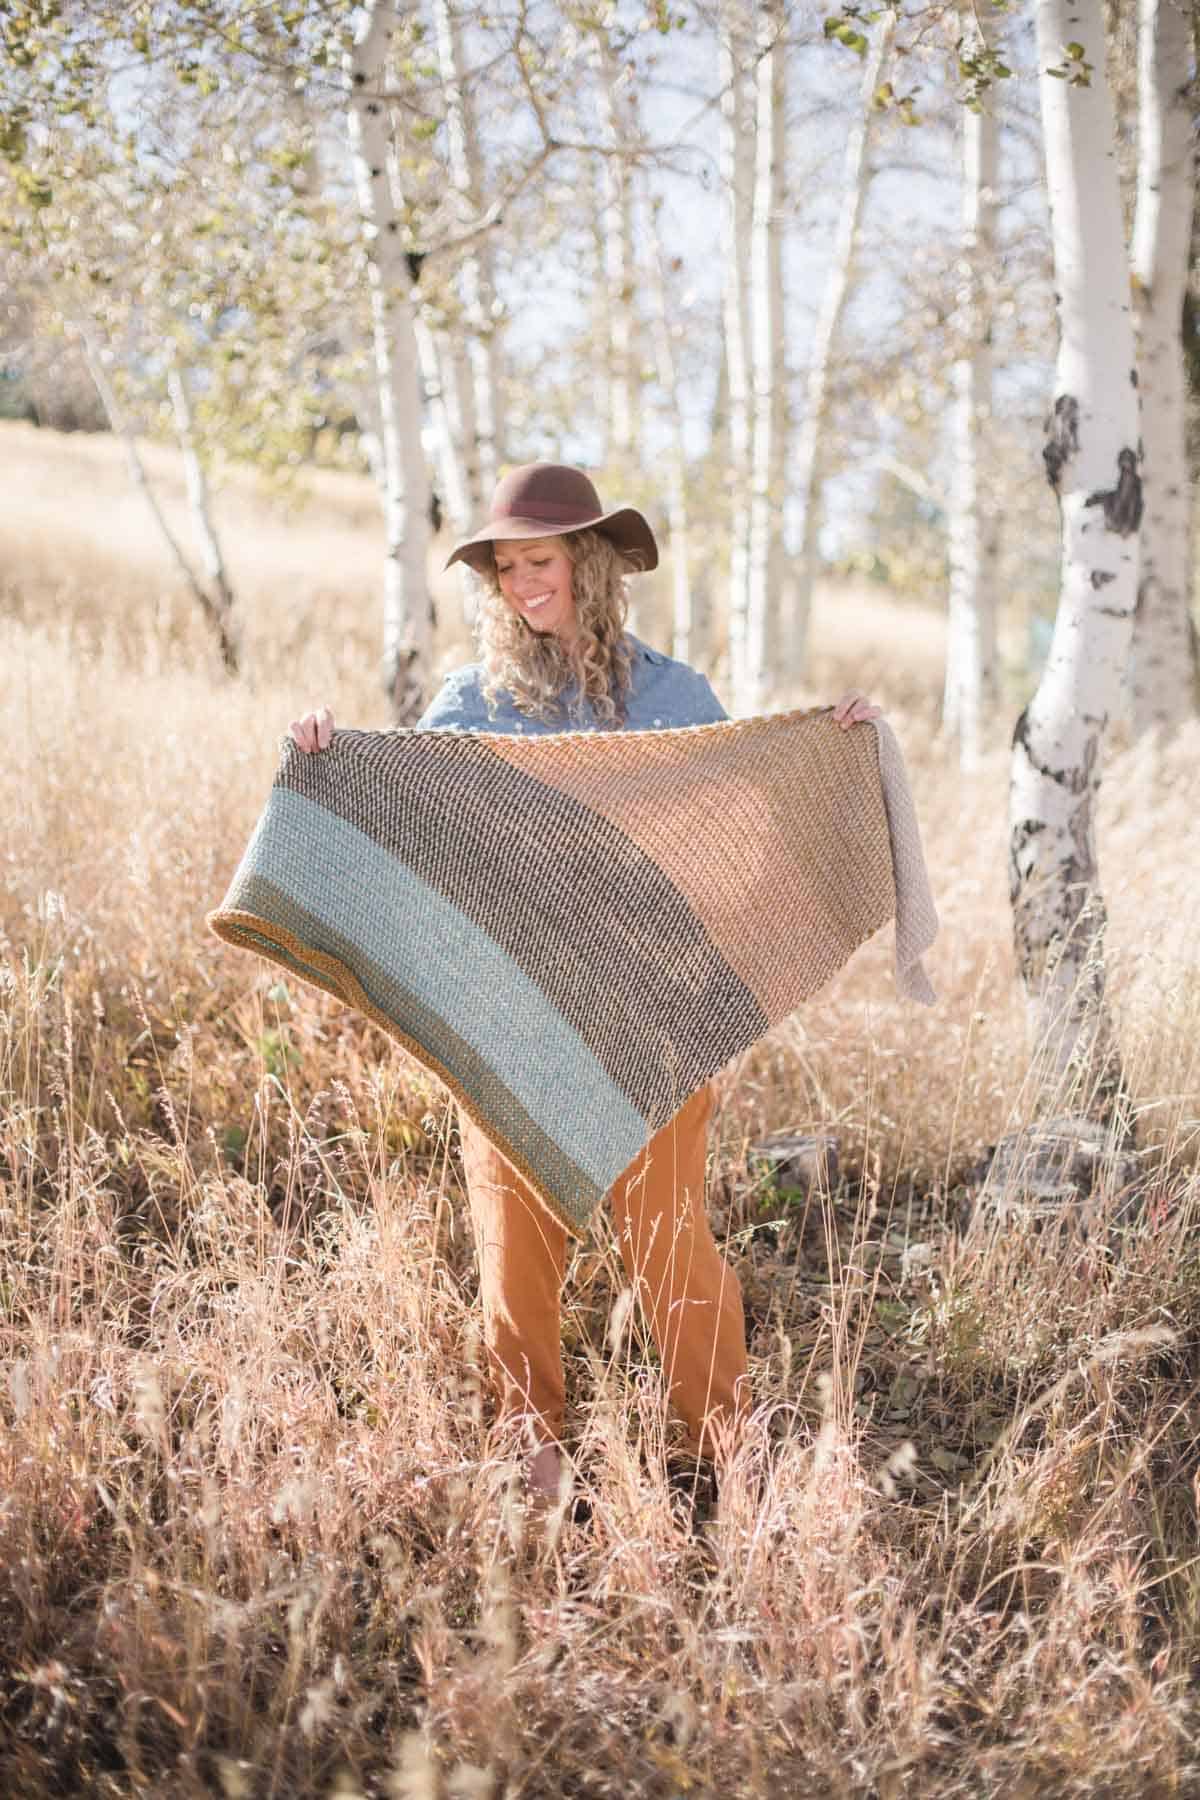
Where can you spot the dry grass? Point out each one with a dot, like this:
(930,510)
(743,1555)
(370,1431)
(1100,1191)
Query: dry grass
(256,1539)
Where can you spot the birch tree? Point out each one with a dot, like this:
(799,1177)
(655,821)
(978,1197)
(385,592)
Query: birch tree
(619,255)
(216,606)
(221,608)
(447,426)
(1091,460)
(1163,667)
(971,634)
(805,461)
(481,404)
(690,634)
(407,607)
(764,628)
(736,175)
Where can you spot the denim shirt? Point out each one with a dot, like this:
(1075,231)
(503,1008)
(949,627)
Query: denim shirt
(662,693)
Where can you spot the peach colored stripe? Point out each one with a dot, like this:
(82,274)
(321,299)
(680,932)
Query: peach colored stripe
(810,823)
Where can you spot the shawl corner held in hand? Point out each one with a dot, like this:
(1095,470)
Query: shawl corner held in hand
(575,931)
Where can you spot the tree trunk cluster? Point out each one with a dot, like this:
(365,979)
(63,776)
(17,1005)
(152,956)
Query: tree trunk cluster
(1123,610)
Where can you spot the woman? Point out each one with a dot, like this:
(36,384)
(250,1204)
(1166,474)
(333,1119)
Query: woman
(553,565)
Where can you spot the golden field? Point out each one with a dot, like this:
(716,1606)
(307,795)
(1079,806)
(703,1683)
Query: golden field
(255,1539)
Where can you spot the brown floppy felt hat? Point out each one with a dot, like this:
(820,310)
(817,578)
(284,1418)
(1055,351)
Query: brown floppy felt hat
(543,499)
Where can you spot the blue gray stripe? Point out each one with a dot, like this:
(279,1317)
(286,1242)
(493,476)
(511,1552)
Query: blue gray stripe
(341,876)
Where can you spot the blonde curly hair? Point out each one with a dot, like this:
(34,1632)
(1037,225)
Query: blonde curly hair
(536,667)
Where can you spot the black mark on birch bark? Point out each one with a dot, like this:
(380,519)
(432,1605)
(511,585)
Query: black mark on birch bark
(1123,504)
(1062,438)
(1067,779)
(1020,865)
(1101,578)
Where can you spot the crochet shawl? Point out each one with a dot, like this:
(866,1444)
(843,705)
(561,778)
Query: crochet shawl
(575,931)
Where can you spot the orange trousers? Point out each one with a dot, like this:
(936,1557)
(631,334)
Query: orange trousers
(688,1292)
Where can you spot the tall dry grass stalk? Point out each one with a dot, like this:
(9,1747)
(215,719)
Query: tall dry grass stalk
(256,1537)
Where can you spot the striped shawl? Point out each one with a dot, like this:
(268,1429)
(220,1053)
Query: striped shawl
(575,931)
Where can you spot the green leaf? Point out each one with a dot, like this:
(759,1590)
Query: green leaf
(38,194)
(12,136)
(278,1052)
(1075,52)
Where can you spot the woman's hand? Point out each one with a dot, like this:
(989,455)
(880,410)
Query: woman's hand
(854,708)
(314,730)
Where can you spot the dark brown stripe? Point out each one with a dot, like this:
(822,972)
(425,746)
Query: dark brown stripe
(616,947)
(812,829)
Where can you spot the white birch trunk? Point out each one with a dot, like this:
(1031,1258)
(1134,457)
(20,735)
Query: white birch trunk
(598,365)
(445,421)
(450,439)
(366,411)
(459,382)
(1091,458)
(762,655)
(211,555)
(407,608)
(718,417)
(619,279)
(971,633)
(804,486)
(1163,666)
(445,430)
(114,413)
(481,402)
(689,634)
(736,147)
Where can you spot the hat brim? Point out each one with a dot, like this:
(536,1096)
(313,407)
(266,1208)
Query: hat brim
(625,527)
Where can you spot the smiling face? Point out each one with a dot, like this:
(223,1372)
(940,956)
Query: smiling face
(535,578)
